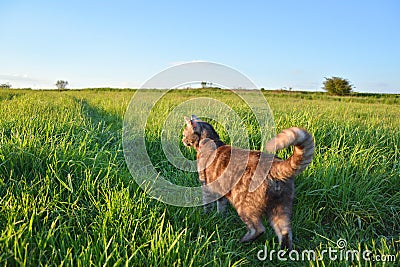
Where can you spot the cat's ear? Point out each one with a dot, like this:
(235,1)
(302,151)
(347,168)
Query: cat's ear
(187,120)
(190,122)
(195,118)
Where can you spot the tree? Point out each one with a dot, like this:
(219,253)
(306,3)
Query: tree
(5,86)
(337,86)
(61,85)
(206,84)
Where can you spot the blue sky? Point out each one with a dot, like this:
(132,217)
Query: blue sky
(276,43)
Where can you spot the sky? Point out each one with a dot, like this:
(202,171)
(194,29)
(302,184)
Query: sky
(277,44)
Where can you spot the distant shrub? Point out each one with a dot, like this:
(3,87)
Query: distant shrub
(337,86)
(61,85)
(5,86)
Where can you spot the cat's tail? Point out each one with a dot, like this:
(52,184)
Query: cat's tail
(302,156)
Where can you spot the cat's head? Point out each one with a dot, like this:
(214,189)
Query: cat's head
(192,132)
(196,130)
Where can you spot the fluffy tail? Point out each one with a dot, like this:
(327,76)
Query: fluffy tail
(303,153)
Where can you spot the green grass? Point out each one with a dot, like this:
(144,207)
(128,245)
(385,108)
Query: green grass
(67,197)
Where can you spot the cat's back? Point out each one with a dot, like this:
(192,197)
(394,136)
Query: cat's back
(223,155)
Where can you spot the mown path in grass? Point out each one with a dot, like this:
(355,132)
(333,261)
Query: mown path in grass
(67,197)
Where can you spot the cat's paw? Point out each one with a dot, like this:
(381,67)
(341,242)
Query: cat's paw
(250,236)
(247,238)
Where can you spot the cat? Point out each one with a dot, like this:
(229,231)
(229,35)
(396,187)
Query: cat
(227,173)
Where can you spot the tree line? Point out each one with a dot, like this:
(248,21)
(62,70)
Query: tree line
(333,85)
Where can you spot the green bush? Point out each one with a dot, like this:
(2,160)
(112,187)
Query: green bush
(337,86)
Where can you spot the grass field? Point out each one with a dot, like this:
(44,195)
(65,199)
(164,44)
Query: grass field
(67,197)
